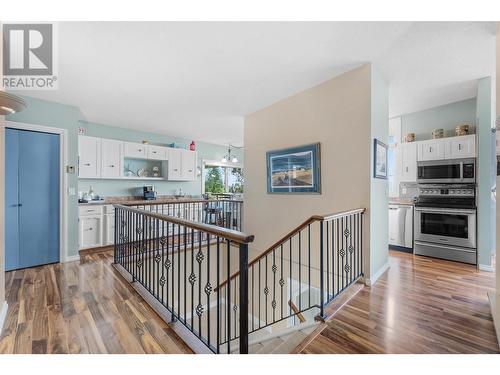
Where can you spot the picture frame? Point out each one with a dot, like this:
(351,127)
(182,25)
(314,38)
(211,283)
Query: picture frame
(379,159)
(294,170)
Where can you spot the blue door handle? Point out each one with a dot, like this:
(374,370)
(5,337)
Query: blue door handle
(16,205)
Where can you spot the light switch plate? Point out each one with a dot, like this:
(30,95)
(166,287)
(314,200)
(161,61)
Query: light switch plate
(71,191)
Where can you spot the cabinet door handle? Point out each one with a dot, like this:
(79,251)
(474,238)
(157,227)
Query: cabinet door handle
(87,164)
(460,147)
(112,166)
(406,169)
(140,149)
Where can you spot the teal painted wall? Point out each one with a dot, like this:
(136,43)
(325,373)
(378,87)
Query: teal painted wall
(486,168)
(42,112)
(379,213)
(446,117)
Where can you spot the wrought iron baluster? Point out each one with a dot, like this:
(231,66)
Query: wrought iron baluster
(185,272)
(199,308)
(218,296)
(338,255)
(309,260)
(300,270)
(192,277)
(179,271)
(274,269)
(228,296)
(291,278)
(260,296)
(351,250)
(321,271)
(208,290)
(327,260)
(282,282)
(266,290)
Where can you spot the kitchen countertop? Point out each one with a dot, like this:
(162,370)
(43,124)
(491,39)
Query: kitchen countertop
(402,201)
(139,201)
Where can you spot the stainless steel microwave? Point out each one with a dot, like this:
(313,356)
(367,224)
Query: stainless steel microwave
(447,171)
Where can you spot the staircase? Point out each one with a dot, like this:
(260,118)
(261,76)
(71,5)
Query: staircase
(269,305)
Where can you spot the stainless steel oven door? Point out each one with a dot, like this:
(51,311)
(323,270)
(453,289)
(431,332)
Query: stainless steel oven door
(447,226)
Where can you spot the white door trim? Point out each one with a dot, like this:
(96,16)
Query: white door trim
(63,181)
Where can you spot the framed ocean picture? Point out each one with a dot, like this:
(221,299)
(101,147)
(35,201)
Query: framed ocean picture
(294,170)
(379,159)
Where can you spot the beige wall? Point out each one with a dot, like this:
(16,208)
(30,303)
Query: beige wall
(335,113)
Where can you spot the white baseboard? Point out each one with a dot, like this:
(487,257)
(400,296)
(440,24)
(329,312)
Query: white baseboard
(3,314)
(486,267)
(70,258)
(372,280)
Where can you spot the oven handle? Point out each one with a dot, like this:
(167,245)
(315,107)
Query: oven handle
(445,247)
(446,210)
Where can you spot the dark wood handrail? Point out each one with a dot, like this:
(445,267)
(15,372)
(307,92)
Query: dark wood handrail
(311,220)
(229,234)
(296,311)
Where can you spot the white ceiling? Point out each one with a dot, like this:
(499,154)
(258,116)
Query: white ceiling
(198,80)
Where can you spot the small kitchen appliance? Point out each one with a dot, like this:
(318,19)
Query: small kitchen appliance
(446,171)
(148,192)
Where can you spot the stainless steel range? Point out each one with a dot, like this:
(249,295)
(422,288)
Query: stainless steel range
(445,222)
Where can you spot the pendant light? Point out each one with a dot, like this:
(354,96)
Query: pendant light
(10,104)
(228,158)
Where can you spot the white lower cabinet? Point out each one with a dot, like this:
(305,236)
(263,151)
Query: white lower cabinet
(96,226)
(90,231)
(109,225)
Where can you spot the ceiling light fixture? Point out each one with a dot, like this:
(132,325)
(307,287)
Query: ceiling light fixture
(10,104)
(228,157)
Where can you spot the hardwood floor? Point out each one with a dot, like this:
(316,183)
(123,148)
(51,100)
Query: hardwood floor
(420,305)
(81,307)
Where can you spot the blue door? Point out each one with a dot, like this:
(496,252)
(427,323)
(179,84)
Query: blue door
(32,212)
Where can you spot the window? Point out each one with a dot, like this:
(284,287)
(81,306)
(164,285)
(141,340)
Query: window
(223,179)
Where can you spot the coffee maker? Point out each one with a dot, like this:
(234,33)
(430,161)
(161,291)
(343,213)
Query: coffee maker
(148,192)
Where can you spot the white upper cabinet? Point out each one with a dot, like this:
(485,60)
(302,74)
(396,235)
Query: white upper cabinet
(460,147)
(134,150)
(188,165)
(433,149)
(111,158)
(157,152)
(181,165)
(407,154)
(174,164)
(104,158)
(89,157)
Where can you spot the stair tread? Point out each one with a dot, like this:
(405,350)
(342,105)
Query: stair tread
(255,348)
(268,346)
(289,343)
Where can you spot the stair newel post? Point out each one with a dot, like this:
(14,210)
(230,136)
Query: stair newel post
(321,270)
(243,298)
